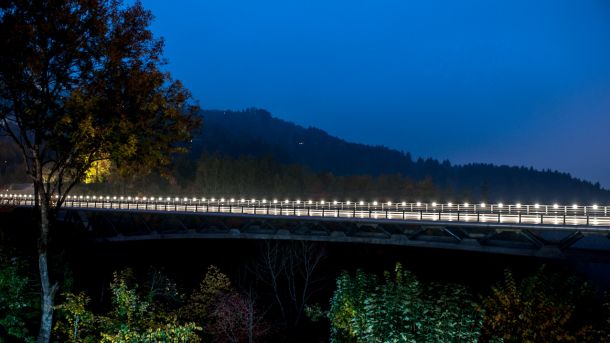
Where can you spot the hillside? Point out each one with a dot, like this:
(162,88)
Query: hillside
(257,133)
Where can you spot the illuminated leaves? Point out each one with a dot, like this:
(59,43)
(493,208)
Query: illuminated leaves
(401,309)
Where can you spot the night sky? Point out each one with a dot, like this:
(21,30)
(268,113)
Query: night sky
(508,82)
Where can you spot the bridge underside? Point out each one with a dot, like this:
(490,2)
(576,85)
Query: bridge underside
(122,226)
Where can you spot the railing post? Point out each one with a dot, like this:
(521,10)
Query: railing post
(587,220)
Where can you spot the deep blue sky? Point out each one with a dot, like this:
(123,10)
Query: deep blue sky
(511,82)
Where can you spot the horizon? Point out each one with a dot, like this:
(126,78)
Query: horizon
(460,82)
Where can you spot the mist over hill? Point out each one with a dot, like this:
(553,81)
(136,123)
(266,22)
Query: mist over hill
(256,133)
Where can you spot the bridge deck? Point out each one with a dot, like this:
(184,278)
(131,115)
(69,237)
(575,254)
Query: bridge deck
(535,230)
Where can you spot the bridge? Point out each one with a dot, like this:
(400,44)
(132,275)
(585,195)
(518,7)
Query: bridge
(543,230)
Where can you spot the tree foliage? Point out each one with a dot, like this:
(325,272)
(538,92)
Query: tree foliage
(226,314)
(543,307)
(131,318)
(17,303)
(399,308)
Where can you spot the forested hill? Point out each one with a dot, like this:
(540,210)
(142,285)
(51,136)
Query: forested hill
(256,133)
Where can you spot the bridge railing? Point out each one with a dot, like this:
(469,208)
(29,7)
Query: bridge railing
(554,214)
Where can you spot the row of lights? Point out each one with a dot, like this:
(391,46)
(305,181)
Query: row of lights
(275,201)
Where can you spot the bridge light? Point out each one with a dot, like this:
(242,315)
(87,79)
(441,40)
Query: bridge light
(374,203)
(275,201)
(114,198)
(500,205)
(168,199)
(482,205)
(252,200)
(177,199)
(348,202)
(286,201)
(79,196)
(555,206)
(418,203)
(242,200)
(212,199)
(404,203)
(87,197)
(144,198)
(335,202)
(222,199)
(322,202)
(107,197)
(298,201)
(361,203)
(518,205)
(389,203)
(310,202)
(232,200)
(536,205)
(575,206)
(434,204)
(264,201)
(594,207)
(185,199)
(194,199)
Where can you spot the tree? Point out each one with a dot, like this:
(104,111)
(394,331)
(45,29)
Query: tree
(81,82)
(543,307)
(401,309)
(288,271)
(228,316)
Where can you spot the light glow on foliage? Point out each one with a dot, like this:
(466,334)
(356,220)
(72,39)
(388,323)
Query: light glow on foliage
(98,171)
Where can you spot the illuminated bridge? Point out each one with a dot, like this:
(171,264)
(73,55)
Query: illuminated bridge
(544,230)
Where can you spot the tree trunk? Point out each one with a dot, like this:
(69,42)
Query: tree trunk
(48,290)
